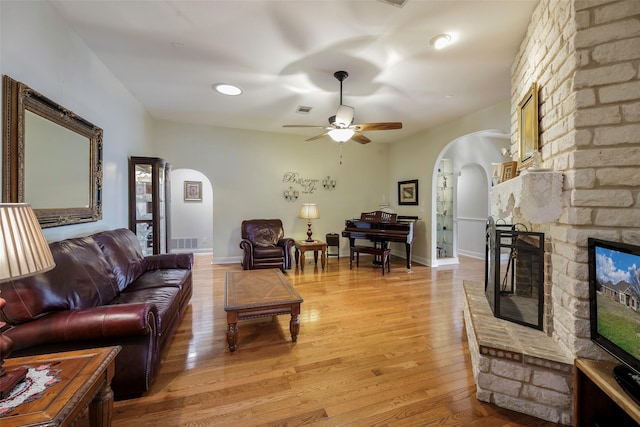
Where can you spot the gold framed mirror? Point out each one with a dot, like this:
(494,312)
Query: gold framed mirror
(52,158)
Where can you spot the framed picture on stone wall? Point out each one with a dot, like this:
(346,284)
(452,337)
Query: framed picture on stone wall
(528,126)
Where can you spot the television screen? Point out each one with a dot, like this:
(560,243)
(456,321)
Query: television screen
(614,284)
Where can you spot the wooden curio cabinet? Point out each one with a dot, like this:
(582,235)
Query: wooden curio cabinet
(149,197)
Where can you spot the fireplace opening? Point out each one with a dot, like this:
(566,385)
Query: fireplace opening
(514,273)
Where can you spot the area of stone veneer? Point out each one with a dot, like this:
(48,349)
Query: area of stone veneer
(516,367)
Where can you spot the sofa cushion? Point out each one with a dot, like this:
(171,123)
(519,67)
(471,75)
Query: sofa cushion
(82,278)
(160,279)
(268,252)
(122,250)
(164,298)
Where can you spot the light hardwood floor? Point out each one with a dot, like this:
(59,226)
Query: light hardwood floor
(372,351)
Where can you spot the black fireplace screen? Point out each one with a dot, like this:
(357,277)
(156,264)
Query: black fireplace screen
(514,273)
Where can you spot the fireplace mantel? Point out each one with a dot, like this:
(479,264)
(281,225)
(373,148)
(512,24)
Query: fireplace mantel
(537,193)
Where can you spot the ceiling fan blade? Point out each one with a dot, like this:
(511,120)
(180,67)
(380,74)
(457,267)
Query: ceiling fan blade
(379,126)
(358,137)
(317,136)
(302,126)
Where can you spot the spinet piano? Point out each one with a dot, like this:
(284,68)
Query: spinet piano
(381,228)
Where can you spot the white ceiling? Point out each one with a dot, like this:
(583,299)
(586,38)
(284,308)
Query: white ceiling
(283,55)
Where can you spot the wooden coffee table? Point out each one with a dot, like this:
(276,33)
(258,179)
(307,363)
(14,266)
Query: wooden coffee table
(85,380)
(259,293)
(315,246)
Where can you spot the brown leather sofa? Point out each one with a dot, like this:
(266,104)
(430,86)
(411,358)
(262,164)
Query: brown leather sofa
(264,245)
(102,292)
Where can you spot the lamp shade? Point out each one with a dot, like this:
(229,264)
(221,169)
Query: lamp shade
(23,248)
(309,211)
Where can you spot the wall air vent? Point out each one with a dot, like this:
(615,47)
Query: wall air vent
(303,109)
(396,3)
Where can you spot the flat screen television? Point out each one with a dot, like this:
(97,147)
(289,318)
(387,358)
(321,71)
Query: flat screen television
(614,286)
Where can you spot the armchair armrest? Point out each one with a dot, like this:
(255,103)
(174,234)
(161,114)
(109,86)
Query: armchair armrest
(247,253)
(166,261)
(111,321)
(287,244)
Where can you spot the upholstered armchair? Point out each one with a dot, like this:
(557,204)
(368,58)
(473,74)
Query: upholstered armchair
(264,245)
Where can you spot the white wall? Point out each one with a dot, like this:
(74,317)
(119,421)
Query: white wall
(38,49)
(246,170)
(472,156)
(472,210)
(416,157)
(191,219)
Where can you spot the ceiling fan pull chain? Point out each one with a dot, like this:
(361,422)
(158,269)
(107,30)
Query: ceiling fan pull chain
(341,153)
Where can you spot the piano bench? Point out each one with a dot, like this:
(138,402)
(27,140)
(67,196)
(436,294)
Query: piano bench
(384,254)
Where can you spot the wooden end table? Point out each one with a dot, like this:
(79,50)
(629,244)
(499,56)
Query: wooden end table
(85,381)
(315,246)
(259,293)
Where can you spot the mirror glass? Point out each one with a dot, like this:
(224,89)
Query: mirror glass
(54,158)
(47,145)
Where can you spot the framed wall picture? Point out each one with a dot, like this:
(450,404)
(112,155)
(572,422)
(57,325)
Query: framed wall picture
(496,168)
(508,170)
(408,192)
(193,191)
(528,126)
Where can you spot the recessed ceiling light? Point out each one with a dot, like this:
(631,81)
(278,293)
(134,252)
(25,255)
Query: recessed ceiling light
(227,89)
(440,41)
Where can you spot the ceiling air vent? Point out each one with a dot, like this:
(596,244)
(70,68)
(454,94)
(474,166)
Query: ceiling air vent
(303,110)
(396,3)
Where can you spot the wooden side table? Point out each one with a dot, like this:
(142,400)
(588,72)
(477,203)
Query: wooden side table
(315,246)
(85,381)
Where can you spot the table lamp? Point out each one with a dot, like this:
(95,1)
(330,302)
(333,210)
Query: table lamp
(309,211)
(23,252)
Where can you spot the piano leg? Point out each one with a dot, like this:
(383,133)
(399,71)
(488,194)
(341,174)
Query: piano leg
(408,247)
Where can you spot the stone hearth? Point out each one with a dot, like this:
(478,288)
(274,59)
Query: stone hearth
(514,366)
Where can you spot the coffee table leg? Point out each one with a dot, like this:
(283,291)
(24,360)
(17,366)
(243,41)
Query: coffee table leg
(232,331)
(101,408)
(294,324)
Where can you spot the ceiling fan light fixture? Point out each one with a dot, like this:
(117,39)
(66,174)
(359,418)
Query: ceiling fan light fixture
(227,89)
(440,41)
(344,116)
(341,135)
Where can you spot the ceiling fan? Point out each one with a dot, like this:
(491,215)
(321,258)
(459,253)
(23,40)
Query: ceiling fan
(341,127)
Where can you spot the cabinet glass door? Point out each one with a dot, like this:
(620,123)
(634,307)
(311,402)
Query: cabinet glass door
(144,207)
(148,200)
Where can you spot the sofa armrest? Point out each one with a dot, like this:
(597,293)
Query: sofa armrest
(166,261)
(111,321)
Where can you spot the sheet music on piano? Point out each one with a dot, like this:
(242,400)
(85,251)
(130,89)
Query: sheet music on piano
(381,228)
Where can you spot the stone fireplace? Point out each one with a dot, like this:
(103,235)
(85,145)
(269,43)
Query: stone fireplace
(514,273)
(583,56)
(516,361)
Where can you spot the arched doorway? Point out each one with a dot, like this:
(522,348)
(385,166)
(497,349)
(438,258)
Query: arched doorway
(465,166)
(191,221)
